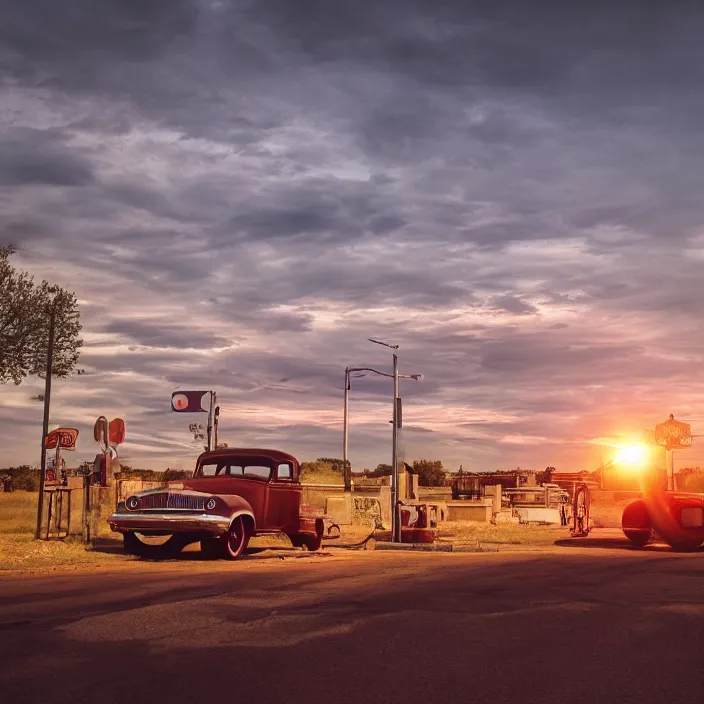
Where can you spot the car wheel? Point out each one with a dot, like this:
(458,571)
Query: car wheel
(211,548)
(638,537)
(235,540)
(131,543)
(310,542)
(134,546)
(636,524)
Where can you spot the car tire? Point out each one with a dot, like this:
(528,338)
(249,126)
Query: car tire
(638,537)
(211,548)
(134,546)
(310,542)
(636,523)
(234,542)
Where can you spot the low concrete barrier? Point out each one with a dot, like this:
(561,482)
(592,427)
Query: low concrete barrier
(481,511)
(538,515)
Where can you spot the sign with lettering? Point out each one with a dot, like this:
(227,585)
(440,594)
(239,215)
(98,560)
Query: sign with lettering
(65,438)
(673,434)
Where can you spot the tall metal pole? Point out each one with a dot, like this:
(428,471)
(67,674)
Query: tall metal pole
(345,433)
(216,422)
(395,494)
(45,425)
(210,421)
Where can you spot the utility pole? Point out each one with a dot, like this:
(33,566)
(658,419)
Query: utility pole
(45,425)
(345,433)
(395,493)
(215,425)
(396,422)
(211,414)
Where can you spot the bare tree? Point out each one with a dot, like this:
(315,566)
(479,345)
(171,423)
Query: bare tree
(25,312)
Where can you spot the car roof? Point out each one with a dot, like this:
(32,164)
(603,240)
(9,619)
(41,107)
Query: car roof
(275,455)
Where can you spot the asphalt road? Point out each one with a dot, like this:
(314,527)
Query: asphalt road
(584,624)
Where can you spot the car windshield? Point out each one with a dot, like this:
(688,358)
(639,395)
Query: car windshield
(234,468)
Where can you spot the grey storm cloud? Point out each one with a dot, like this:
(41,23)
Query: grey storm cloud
(241,193)
(40,157)
(164,335)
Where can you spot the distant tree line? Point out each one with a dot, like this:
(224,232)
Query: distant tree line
(154,475)
(430,472)
(23,478)
(321,470)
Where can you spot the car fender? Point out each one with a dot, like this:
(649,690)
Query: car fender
(237,506)
(312,525)
(666,513)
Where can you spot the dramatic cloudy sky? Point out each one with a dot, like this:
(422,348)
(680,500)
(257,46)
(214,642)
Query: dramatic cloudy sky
(242,192)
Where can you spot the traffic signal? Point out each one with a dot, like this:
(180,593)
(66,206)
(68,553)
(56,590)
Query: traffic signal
(190,401)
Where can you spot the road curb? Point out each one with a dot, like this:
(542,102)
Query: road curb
(408,547)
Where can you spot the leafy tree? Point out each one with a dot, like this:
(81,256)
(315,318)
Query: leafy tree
(23,477)
(173,474)
(335,464)
(25,308)
(382,470)
(430,472)
(322,471)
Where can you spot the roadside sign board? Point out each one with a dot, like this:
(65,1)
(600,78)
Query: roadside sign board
(116,431)
(673,434)
(190,401)
(64,438)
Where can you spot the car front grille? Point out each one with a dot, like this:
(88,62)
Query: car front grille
(176,501)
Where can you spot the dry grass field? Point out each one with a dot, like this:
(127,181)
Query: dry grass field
(20,552)
(18,512)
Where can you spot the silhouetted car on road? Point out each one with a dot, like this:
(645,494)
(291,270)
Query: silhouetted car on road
(676,517)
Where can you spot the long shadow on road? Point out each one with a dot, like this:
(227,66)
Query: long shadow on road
(541,628)
(617,544)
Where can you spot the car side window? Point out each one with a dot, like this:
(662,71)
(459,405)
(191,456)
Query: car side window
(284,472)
(257,472)
(210,470)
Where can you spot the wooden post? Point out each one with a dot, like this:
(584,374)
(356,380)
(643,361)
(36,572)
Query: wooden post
(45,425)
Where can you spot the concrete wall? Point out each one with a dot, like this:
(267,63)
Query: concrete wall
(434,493)
(537,515)
(316,495)
(481,511)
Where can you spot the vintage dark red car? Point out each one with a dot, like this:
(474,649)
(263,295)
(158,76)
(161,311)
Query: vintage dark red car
(676,517)
(234,494)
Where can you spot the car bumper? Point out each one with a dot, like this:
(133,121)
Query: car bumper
(176,522)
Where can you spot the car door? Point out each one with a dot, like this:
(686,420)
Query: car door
(284,499)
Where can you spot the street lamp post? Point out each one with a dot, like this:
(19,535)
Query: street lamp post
(395,498)
(395,489)
(346,470)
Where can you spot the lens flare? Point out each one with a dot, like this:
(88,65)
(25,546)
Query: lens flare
(631,455)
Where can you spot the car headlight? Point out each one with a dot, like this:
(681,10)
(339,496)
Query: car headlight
(211,504)
(132,503)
